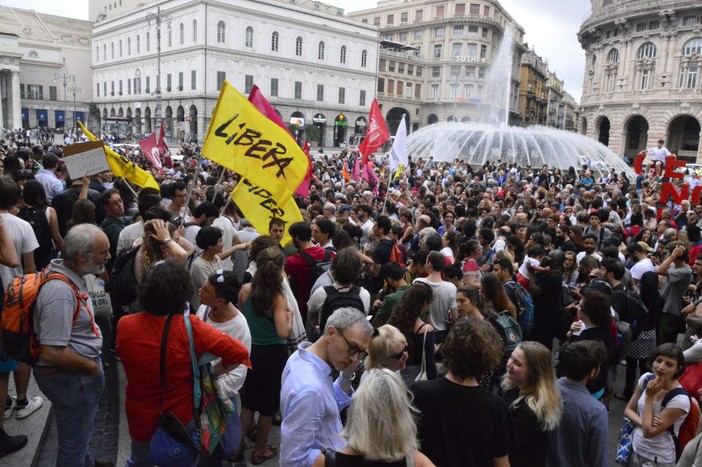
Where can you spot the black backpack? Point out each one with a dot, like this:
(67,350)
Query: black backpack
(317,268)
(336,299)
(633,312)
(123,283)
(36,217)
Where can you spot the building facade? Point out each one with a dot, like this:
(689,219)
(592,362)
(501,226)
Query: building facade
(533,89)
(317,67)
(435,59)
(44,80)
(642,77)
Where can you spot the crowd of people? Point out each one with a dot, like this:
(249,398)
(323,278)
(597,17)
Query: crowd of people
(451,316)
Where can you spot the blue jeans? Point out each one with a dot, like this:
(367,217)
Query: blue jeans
(74,398)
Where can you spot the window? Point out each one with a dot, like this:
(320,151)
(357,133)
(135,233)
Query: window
(298,46)
(400,68)
(472,50)
(249,37)
(400,88)
(435,71)
(35,92)
(693,46)
(320,93)
(437,50)
(483,51)
(112,88)
(148,41)
(170,38)
(455,71)
(381,84)
(364,58)
(248,83)
(138,44)
(435,90)
(654,24)
(391,65)
(298,89)
(180,81)
(129,46)
(275,40)
(104,51)
(453,90)
(418,16)
(148,85)
(410,69)
(391,19)
(193,80)
(691,20)
(419,72)
(381,65)
(221,77)
(388,36)
(376,21)
(609,86)
(460,9)
(418,35)
(168,82)
(481,73)
(53,94)
(391,86)
(362,98)
(688,76)
(440,11)
(438,33)
(320,50)
(647,50)
(120,48)
(403,36)
(485,33)
(486,11)
(456,49)
(342,95)
(473,31)
(641,27)
(97,86)
(97,54)
(417,90)
(474,9)
(479,91)
(613,56)
(220,32)
(470,72)
(457,31)
(104,88)
(194,30)
(643,80)
(342,54)
(181,33)
(129,87)
(274,87)
(468,90)
(112,50)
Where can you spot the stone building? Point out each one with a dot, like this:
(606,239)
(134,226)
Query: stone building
(44,77)
(316,66)
(435,58)
(642,77)
(533,99)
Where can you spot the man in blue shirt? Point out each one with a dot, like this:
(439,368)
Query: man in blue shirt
(310,402)
(580,439)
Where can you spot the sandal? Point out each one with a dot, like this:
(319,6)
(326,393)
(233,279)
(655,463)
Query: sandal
(259,457)
(238,455)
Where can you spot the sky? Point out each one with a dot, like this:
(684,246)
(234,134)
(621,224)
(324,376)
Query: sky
(550,28)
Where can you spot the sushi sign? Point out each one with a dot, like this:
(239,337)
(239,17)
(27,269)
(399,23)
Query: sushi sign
(668,189)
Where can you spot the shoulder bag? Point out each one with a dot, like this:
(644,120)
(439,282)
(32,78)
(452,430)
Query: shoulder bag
(422,376)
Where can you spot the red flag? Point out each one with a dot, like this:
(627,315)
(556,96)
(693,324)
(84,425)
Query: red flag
(376,133)
(151,150)
(261,103)
(163,147)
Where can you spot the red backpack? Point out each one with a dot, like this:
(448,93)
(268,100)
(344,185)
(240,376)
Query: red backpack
(396,255)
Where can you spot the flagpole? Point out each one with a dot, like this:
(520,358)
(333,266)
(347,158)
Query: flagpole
(219,182)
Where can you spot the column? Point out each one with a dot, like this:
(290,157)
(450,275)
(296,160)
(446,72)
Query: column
(2,91)
(16,104)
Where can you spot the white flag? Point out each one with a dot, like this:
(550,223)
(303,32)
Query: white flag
(398,153)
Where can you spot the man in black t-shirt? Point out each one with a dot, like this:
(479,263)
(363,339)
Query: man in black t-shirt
(381,253)
(546,291)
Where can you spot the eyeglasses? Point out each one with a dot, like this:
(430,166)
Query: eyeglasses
(353,350)
(401,354)
(116,202)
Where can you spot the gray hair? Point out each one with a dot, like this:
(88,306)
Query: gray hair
(382,396)
(346,317)
(80,239)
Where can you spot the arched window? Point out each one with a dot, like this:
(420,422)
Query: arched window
(181,30)
(647,50)
(275,40)
(693,46)
(364,58)
(138,44)
(342,56)
(120,48)
(249,36)
(170,38)
(298,46)
(194,30)
(129,46)
(148,41)
(220,32)
(613,56)
(320,50)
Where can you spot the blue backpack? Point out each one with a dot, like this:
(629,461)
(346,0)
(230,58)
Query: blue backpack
(525,306)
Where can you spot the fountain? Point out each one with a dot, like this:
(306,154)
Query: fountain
(492,139)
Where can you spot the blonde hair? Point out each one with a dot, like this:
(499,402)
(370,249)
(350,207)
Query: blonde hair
(380,422)
(540,393)
(383,345)
(151,251)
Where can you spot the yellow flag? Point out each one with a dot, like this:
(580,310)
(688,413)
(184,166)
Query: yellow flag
(400,170)
(122,167)
(259,207)
(244,140)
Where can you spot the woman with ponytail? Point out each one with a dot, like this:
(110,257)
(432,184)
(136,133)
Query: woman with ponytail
(270,320)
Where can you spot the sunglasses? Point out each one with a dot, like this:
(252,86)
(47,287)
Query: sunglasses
(401,354)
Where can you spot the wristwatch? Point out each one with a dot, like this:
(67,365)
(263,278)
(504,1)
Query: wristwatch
(349,379)
(167,241)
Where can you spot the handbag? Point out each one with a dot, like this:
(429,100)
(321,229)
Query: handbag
(172,444)
(422,376)
(102,303)
(691,380)
(624,444)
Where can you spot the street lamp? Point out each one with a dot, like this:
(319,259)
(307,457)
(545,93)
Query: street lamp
(73,89)
(64,78)
(158,19)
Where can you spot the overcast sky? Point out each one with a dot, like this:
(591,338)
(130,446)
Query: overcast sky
(550,28)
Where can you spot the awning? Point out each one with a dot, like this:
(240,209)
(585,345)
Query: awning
(42,115)
(25,114)
(60,116)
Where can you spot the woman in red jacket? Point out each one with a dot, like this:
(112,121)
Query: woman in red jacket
(165,291)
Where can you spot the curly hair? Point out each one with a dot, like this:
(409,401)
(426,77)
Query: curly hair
(409,308)
(267,282)
(165,289)
(472,348)
(151,252)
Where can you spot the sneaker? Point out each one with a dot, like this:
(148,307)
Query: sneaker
(10,444)
(33,404)
(10,406)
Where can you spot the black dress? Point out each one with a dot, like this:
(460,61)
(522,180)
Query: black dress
(530,448)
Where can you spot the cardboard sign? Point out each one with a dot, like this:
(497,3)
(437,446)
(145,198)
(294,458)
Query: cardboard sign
(85,159)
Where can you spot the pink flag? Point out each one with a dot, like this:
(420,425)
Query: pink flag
(376,132)
(356,170)
(151,150)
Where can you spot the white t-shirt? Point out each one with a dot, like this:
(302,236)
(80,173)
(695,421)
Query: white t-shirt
(638,269)
(24,240)
(228,232)
(231,382)
(659,154)
(316,301)
(129,235)
(443,300)
(661,445)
